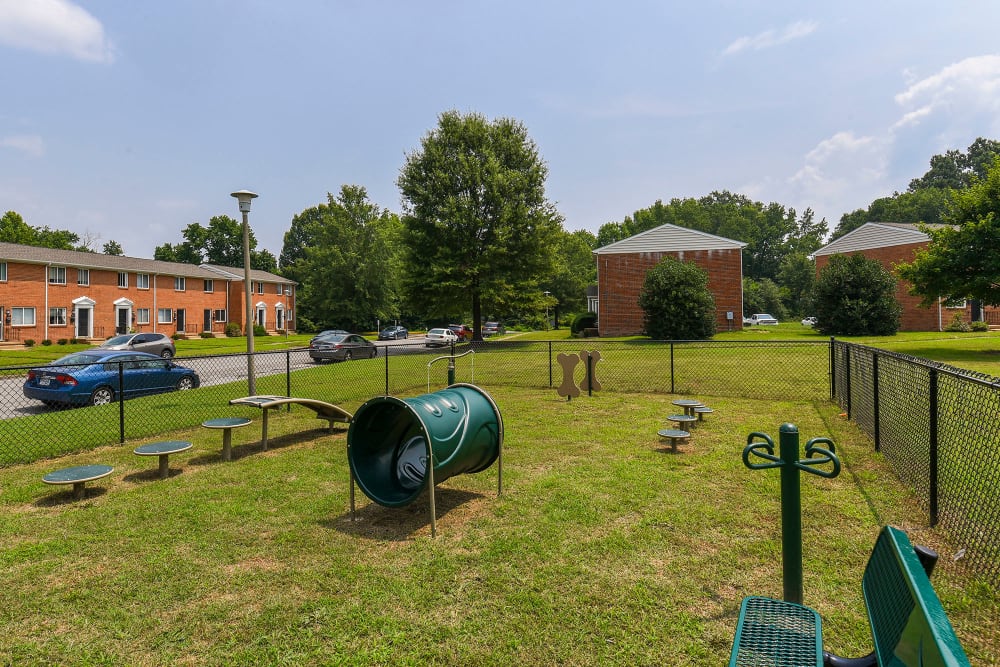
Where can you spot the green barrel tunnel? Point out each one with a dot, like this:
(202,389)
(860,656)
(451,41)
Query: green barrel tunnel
(390,441)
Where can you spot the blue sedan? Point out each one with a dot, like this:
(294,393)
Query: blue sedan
(91,377)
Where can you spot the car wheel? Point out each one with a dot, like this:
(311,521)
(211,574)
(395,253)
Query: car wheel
(102,396)
(374,352)
(185,383)
(405,336)
(347,355)
(166,354)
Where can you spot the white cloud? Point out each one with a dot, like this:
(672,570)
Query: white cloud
(771,38)
(968,89)
(29,144)
(56,27)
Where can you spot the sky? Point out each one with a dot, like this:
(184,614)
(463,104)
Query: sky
(128,121)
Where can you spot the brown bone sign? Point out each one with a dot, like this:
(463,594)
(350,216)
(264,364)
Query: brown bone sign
(568,362)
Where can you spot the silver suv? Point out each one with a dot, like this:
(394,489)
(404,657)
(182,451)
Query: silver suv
(154,343)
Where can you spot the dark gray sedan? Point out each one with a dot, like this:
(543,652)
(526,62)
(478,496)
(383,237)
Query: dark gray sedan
(341,347)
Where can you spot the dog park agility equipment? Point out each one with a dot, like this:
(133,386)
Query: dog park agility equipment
(397,447)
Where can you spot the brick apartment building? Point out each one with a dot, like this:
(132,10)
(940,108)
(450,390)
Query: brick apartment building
(893,243)
(63,294)
(622,267)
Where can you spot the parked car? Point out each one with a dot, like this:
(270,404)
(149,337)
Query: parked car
(463,332)
(440,337)
(809,322)
(393,333)
(328,332)
(493,328)
(153,343)
(761,318)
(91,377)
(341,347)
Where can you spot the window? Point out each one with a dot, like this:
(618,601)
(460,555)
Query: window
(3,271)
(260,288)
(22,317)
(288,290)
(142,280)
(209,285)
(954,303)
(83,277)
(142,315)
(179,283)
(57,275)
(279,289)
(122,279)
(164,316)
(219,315)
(57,316)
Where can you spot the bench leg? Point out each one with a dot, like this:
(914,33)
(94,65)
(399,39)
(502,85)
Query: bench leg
(263,431)
(227,444)
(79,489)
(164,466)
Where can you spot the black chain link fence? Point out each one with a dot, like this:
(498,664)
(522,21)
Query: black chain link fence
(939,427)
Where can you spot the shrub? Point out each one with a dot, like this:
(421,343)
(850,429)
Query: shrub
(677,302)
(305,325)
(233,330)
(61,341)
(259,330)
(583,321)
(74,341)
(979,326)
(207,334)
(958,324)
(856,296)
(177,336)
(29,342)
(46,341)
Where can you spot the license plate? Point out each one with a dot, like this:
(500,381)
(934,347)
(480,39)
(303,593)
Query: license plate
(44,382)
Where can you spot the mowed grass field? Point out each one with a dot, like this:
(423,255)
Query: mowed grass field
(605,547)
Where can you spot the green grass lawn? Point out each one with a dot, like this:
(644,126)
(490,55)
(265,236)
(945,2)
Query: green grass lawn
(604,549)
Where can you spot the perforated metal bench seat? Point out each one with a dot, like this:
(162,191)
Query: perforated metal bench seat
(774,632)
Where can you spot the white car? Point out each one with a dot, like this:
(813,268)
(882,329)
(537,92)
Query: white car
(761,318)
(809,321)
(440,338)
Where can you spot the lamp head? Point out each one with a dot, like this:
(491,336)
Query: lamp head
(244,197)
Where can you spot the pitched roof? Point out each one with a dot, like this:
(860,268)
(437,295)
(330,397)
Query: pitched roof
(669,238)
(26,254)
(875,235)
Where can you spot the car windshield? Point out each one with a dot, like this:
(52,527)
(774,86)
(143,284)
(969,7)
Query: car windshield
(117,340)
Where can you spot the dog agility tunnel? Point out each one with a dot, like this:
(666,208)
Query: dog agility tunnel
(390,441)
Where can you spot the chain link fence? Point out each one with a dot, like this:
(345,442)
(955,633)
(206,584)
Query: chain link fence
(939,427)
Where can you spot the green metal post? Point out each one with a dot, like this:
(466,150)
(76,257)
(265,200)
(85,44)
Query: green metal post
(791,514)
(451,371)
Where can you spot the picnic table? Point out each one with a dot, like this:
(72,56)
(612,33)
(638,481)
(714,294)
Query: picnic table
(227,424)
(328,411)
(683,420)
(673,435)
(163,450)
(78,476)
(688,404)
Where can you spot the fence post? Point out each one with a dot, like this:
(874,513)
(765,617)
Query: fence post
(833,369)
(933,472)
(875,405)
(288,377)
(386,348)
(550,364)
(847,374)
(671,367)
(121,402)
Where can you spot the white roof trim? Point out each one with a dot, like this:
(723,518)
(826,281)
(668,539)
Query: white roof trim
(670,238)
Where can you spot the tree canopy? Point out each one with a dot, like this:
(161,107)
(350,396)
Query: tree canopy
(961,260)
(676,301)
(221,242)
(13,229)
(856,296)
(478,229)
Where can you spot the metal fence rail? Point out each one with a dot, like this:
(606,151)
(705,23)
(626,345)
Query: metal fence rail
(939,427)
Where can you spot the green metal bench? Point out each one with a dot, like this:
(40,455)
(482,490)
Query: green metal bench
(909,626)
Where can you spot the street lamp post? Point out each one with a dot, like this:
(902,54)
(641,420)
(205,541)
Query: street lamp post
(547,295)
(244,197)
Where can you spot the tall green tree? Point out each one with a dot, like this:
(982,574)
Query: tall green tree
(113,248)
(221,242)
(797,276)
(478,228)
(763,296)
(574,269)
(961,260)
(351,263)
(13,229)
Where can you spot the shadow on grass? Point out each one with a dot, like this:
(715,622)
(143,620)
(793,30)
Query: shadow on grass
(66,497)
(213,456)
(373,521)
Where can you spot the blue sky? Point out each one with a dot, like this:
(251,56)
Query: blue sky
(131,120)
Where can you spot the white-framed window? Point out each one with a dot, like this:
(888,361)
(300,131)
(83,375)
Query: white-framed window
(22,317)
(141,281)
(83,277)
(219,315)
(3,272)
(955,303)
(57,275)
(209,285)
(57,316)
(179,283)
(288,290)
(280,290)
(122,279)
(260,288)
(142,315)
(164,316)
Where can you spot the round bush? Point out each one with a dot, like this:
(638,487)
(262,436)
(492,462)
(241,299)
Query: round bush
(233,330)
(583,321)
(677,302)
(856,296)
